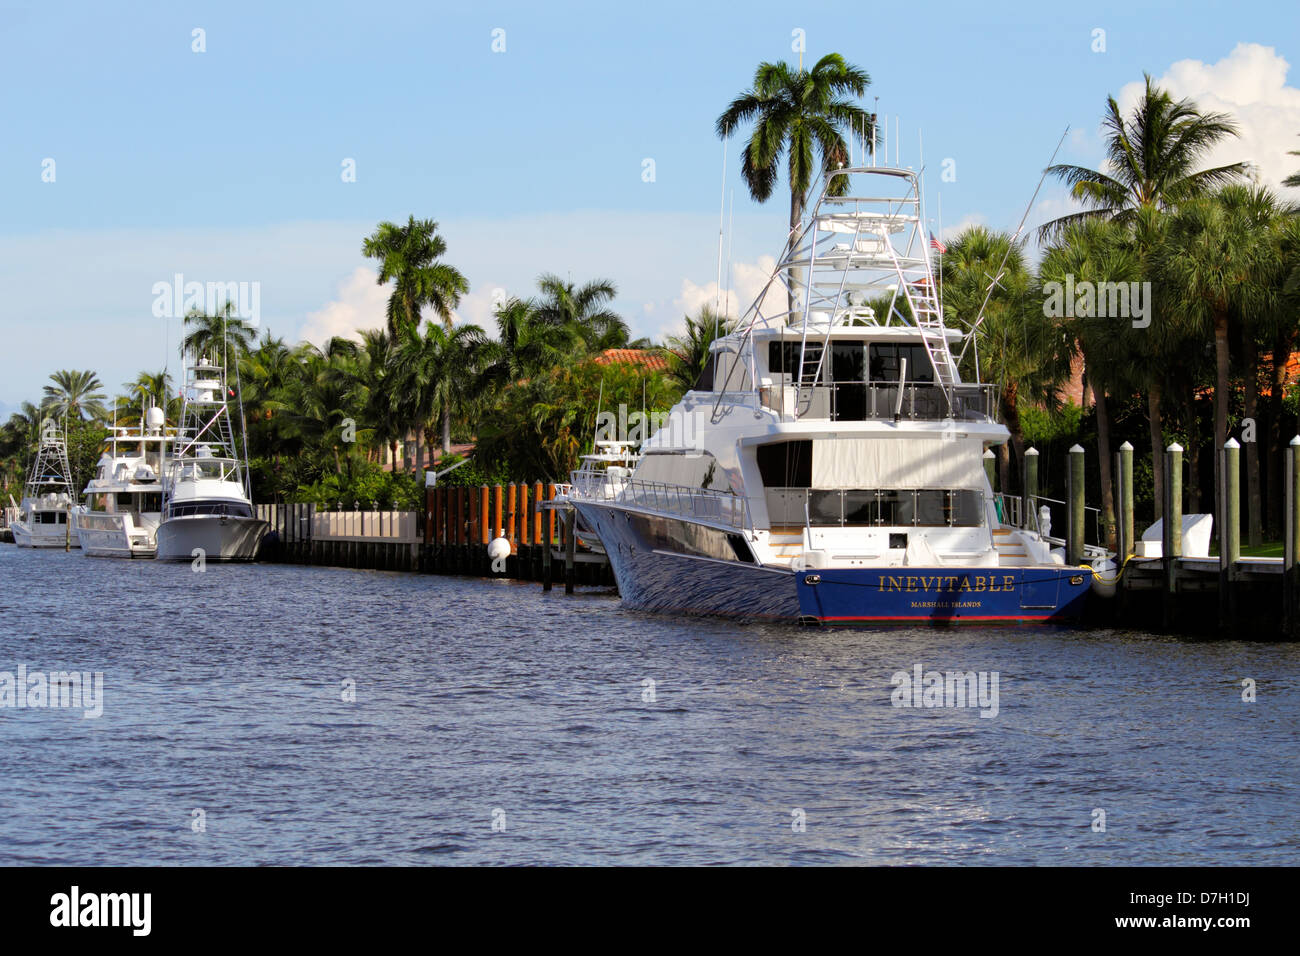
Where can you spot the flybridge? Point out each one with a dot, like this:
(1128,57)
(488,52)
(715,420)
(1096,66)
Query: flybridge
(859,263)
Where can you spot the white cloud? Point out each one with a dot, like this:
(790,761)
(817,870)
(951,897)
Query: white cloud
(748,282)
(360,304)
(1250,84)
(949,233)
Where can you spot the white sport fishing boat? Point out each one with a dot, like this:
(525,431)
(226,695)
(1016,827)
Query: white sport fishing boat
(828,466)
(207,508)
(124,499)
(41,519)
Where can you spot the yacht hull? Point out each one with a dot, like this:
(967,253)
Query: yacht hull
(677,566)
(942,595)
(108,544)
(26,538)
(666,564)
(107,536)
(219,537)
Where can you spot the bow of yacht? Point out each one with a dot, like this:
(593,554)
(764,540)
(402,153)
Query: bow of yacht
(207,509)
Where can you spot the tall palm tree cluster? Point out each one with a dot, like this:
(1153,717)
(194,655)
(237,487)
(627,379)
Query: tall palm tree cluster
(1208,361)
(356,419)
(324,422)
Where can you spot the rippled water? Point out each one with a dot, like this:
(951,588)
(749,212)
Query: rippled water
(223,693)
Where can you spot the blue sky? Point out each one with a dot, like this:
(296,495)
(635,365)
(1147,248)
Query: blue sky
(225,165)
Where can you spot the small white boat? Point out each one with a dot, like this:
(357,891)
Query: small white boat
(207,510)
(124,499)
(607,467)
(41,519)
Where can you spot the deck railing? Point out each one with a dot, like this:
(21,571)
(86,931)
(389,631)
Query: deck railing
(875,401)
(1011,511)
(718,507)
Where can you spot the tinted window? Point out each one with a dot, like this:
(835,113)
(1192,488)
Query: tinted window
(886,359)
(786,464)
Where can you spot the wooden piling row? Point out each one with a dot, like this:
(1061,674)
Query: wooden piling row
(461,522)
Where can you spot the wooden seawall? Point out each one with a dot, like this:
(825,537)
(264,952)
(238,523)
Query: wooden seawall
(450,536)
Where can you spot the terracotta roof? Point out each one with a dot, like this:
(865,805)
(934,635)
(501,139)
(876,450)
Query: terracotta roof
(646,358)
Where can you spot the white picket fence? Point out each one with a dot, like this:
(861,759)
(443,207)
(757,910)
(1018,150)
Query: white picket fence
(303,522)
(393,526)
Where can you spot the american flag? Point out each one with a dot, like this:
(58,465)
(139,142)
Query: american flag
(937,245)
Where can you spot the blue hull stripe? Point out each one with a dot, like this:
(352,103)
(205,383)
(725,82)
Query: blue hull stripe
(943,595)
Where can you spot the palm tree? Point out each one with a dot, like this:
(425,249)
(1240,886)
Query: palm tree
(1218,259)
(269,374)
(1098,251)
(18,438)
(434,374)
(1284,337)
(689,352)
(318,398)
(1294,179)
(217,336)
(802,115)
(376,388)
(1016,347)
(1152,155)
(409,257)
(75,395)
(527,344)
(148,389)
(582,310)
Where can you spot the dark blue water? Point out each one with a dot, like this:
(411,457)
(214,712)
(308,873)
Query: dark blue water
(223,693)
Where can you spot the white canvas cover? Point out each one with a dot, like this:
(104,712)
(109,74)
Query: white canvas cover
(897,463)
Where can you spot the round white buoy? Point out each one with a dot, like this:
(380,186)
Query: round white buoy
(498,550)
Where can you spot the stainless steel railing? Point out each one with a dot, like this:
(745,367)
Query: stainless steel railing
(702,504)
(871,401)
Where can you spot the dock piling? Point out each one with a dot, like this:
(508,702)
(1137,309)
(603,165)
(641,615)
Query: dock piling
(1028,507)
(1171,544)
(1229,518)
(1075,526)
(570,548)
(1291,544)
(1124,473)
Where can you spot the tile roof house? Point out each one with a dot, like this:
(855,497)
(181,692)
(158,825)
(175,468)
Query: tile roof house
(651,359)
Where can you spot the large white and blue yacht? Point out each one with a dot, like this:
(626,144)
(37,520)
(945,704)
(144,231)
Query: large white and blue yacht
(828,466)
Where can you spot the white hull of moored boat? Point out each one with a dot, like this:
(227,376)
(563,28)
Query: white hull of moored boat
(216,537)
(56,537)
(114,536)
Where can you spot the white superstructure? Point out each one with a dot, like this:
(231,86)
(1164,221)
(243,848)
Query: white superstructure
(124,499)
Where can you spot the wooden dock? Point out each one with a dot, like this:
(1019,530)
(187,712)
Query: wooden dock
(450,536)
